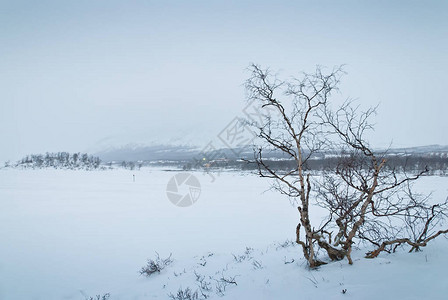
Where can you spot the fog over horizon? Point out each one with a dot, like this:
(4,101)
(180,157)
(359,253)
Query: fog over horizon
(87,75)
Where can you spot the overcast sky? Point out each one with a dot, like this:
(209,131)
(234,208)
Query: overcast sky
(78,75)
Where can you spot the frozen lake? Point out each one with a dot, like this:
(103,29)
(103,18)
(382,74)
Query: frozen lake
(69,234)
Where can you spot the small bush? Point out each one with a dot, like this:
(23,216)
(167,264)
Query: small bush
(99,297)
(155,266)
(186,294)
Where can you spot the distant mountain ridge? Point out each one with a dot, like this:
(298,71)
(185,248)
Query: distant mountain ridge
(134,152)
(148,153)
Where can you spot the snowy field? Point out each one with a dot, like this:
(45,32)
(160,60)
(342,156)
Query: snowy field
(78,234)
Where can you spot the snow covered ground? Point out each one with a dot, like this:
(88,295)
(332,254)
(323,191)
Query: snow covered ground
(78,234)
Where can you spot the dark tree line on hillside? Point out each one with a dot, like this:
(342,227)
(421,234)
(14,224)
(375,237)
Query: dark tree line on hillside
(131,165)
(60,160)
(436,164)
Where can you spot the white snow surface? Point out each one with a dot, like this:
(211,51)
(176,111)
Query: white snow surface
(78,234)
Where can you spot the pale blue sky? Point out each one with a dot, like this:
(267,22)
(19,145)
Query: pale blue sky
(74,73)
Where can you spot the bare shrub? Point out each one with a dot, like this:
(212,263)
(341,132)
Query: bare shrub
(222,283)
(99,297)
(245,256)
(155,266)
(285,244)
(205,287)
(184,294)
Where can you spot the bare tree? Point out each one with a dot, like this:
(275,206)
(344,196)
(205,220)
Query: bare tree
(362,196)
